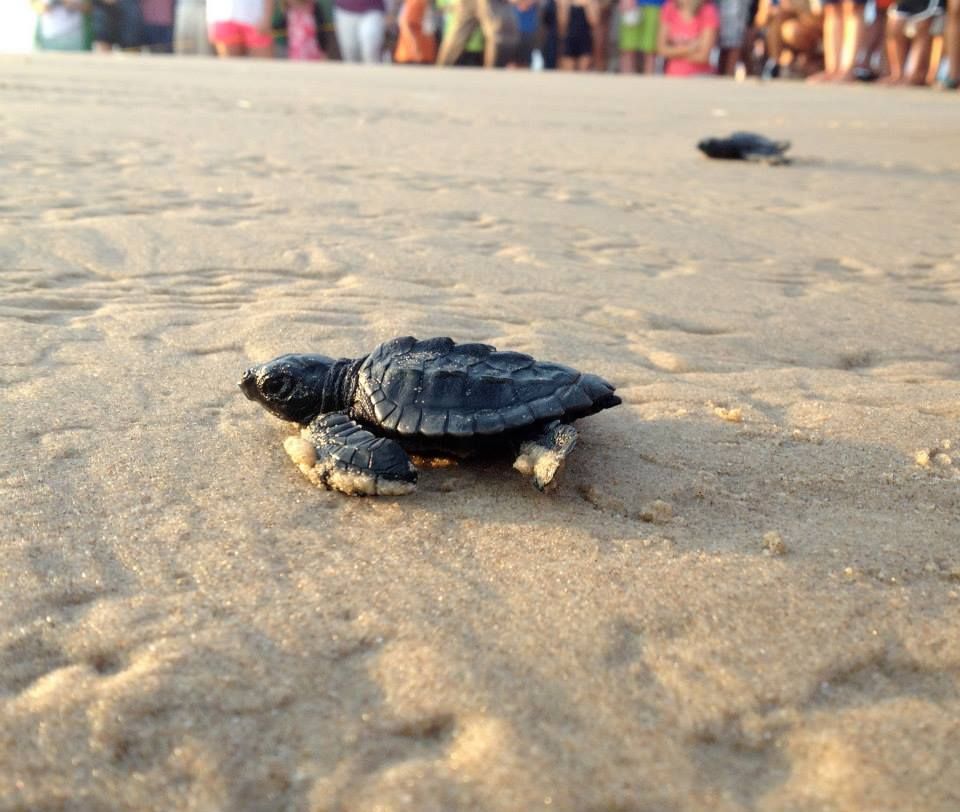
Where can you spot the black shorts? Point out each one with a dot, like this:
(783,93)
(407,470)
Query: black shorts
(118,23)
(917,10)
(528,43)
(579,39)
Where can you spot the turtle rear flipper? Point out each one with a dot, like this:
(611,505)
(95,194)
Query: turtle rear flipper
(771,159)
(542,456)
(768,152)
(335,452)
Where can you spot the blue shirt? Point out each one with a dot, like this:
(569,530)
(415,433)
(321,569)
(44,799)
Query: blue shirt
(528,20)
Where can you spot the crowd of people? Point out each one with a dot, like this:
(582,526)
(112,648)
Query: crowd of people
(914,42)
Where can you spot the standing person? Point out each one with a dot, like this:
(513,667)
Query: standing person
(157,25)
(601,34)
(498,23)
(796,26)
(872,46)
(639,24)
(528,24)
(551,38)
(577,20)
(61,25)
(733,31)
(904,51)
(241,27)
(688,32)
(842,35)
(190,28)
(116,23)
(304,21)
(360,26)
(472,55)
(629,25)
(417,41)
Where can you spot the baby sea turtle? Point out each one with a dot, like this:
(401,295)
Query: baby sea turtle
(746,147)
(360,416)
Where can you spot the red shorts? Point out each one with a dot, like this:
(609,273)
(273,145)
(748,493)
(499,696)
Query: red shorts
(231,33)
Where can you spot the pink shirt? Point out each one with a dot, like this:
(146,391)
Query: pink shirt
(681,29)
(302,32)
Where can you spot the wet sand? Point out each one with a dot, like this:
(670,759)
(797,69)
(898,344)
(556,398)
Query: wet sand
(745,593)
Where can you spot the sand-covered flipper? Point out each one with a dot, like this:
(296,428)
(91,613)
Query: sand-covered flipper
(335,452)
(544,455)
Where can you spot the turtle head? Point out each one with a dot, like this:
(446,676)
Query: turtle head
(291,386)
(707,145)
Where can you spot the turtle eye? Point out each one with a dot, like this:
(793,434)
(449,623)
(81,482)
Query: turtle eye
(273,387)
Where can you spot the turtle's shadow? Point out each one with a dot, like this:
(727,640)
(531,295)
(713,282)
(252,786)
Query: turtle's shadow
(894,170)
(605,489)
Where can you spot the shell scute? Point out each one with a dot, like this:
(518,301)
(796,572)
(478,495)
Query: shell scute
(508,361)
(460,424)
(436,345)
(492,391)
(409,420)
(433,423)
(384,409)
(546,407)
(518,415)
(473,352)
(489,422)
(393,419)
(574,397)
(403,384)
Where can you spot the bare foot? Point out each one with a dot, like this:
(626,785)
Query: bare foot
(822,76)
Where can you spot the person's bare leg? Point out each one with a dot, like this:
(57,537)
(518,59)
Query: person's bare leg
(102,47)
(584,62)
(262,53)
(832,43)
(773,40)
(628,62)
(799,37)
(454,42)
(852,37)
(873,38)
(728,61)
(832,39)
(601,35)
(225,50)
(936,56)
(897,46)
(567,63)
(920,54)
(787,36)
(951,41)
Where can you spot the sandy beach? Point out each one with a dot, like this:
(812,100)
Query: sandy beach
(744,594)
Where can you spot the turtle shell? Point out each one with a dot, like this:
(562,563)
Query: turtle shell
(743,145)
(751,142)
(438,388)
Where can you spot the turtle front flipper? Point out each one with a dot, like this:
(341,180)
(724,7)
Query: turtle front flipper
(335,452)
(543,456)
